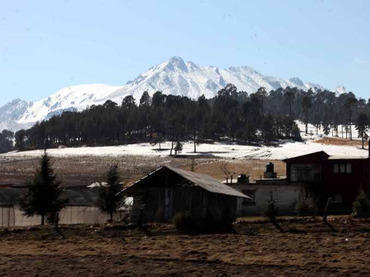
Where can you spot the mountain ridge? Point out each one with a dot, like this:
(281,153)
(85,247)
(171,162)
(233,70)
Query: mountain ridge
(174,76)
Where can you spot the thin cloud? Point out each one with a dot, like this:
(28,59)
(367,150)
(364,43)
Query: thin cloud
(359,61)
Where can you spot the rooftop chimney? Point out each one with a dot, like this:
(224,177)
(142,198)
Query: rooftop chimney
(243,179)
(269,173)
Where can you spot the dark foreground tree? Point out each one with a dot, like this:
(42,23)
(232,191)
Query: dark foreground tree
(108,193)
(44,196)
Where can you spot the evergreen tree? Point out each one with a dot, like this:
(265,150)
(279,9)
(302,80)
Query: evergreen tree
(44,196)
(362,127)
(351,100)
(6,141)
(261,92)
(109,196)
(178,148)
(20,140)
(306,106)
(289,96)
(157,139)
(268,128)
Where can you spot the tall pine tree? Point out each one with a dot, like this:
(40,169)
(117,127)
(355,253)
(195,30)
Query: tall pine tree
(44,195)
(109,197)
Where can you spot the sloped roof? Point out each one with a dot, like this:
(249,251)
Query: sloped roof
(197,179)
(347,158)
(320,155)
(8,196)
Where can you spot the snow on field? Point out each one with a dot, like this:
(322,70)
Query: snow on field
(285,150)
(312,131)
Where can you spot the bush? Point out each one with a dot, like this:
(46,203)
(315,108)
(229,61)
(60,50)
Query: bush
(184,221)
(361,206)
(306,207)
(296,132)
(271,211)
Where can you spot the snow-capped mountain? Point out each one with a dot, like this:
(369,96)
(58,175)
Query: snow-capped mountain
(340,90)
(171,77)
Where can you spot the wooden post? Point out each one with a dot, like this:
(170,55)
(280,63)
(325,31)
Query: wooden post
(326,209)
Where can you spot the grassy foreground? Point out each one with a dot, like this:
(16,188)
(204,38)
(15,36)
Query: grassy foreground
(308,247)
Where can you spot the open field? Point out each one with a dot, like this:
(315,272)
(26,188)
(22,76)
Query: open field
(76,171)
(278,151)
(85,165)
(341,141)
(307,248)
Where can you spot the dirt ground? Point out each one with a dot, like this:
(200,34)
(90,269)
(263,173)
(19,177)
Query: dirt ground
(342,141)
(308,247)
(82,171)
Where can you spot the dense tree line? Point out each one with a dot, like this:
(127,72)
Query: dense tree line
(231,115)
(6,141)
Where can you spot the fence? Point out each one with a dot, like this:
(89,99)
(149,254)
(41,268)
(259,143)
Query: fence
(11,216)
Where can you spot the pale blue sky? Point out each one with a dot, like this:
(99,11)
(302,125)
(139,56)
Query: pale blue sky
(47,45)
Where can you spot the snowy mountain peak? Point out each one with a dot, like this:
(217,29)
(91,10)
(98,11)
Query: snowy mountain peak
(340,90)
(176,64)
(296,81)
(174,76)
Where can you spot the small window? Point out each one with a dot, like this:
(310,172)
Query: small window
(336,168)
(342,168)
(348,168)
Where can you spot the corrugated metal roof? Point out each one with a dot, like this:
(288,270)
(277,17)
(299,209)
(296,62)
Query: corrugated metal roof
(201,180)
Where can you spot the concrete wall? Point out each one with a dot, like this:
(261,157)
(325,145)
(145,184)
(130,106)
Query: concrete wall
(284,196)
(13,217)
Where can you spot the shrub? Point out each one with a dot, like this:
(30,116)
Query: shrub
(361,206)
(271,211)
(184,221)
(306,207)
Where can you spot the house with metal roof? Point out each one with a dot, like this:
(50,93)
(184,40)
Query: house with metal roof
(158,196)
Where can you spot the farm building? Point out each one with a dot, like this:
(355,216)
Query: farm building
(269,188)
(81,208)
(160,195)
(338,178)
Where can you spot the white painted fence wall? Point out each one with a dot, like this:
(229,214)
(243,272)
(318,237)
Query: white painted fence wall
(13,217)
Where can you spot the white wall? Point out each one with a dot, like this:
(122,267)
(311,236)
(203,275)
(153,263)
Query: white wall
(13,217)
(285,198)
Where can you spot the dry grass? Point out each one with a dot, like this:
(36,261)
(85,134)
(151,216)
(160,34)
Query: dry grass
(308,248)
(76,171)
(253,168)
(341,141)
